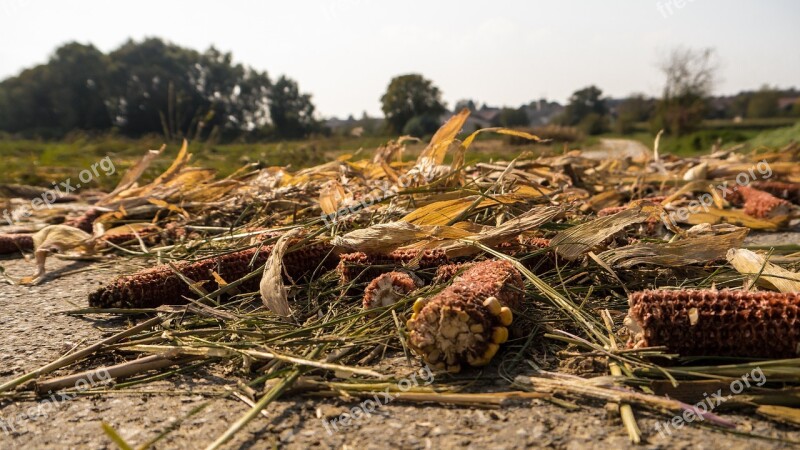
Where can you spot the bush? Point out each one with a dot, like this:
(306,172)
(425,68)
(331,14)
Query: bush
(594,124)
(421,126)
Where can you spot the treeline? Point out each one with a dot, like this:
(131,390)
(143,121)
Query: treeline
(152,86)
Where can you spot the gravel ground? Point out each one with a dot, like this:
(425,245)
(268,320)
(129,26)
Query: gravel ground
(34,333)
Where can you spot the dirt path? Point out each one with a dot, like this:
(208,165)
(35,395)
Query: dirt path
(618,148)
(34,333)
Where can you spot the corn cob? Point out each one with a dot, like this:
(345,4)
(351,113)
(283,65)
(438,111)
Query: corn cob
(387,289)
(757,203)
(611,210)
(786,191)
(86,220)
(353,265)
(717,323)
(468,320)
(447,272)
(160,285)
(13,243)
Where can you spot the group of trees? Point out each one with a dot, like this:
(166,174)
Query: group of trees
(152,86)
(686,100)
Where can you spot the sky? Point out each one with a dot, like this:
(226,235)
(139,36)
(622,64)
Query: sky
(345,52)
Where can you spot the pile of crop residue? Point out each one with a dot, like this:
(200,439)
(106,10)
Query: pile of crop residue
(523,271)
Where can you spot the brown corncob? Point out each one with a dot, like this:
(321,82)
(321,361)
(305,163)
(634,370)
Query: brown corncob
(757,203)
(86,220)
(786,191)
(611,210)
(159,285)
(352,265)
(467,321)
(446,272)
(717,323)
(387,289)
(13,243)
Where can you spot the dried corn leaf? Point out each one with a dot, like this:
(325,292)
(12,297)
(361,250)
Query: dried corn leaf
(731,216)
(695,250)
(132,175)
(782,414)
(771,276)
(580,239)
(272,289)
(383,237)
(435,151)
(492,236)
(331,197)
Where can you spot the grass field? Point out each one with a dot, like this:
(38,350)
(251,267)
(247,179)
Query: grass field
(43,162)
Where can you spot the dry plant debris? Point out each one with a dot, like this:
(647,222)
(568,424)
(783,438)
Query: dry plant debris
(302,280)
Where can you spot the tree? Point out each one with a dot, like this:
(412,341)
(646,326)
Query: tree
(68,92)
(634,109)
(466,103)
(292,113)
(408,96)
(763,103)
(513,117)
(690,76)
(586,109)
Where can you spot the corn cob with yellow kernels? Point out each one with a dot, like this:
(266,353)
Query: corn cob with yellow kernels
(466,322)
(716,323)
(160,285)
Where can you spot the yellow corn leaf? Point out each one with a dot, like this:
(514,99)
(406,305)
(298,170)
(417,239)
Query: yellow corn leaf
(168,206)
(331,197)
(435,151)
(731,216)
(132,175)
(442,212)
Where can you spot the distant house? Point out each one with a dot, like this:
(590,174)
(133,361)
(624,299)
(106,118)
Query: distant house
(786,104)
(542,112)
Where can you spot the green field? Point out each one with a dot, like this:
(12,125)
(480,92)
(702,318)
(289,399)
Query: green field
(39,162)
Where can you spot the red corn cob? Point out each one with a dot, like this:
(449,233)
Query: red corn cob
(467,321)
(387,289)
(13,243)
(351,265)
(611,210)
(159,285)
(757,203)
(786,191)
(86,220)
(717,323)
(447,272)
